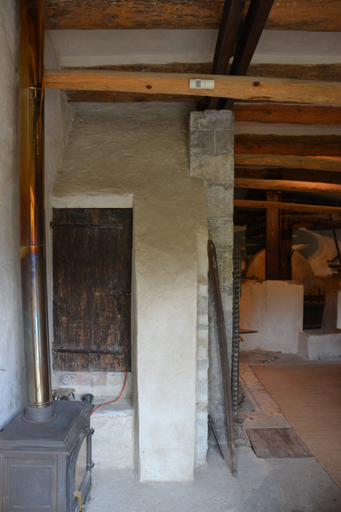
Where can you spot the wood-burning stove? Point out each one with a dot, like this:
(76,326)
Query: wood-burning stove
(47,466)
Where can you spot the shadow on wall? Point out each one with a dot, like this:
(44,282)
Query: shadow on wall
(309,242)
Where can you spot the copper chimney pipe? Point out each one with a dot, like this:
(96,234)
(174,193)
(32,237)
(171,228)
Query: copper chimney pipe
(39,404)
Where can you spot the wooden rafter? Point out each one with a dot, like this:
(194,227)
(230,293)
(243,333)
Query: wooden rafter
(245,88)
(227,36)
(255,20)
(301,145)
(280,185)
(191,14)
(332,164)
(245,203)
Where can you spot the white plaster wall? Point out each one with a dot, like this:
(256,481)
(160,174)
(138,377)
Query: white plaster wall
(117,153)
(275,310)
(101,47)
(12,372)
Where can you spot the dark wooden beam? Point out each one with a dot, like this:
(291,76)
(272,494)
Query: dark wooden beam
(273,237)
(286,249)
(286,113)
(315,208)
(304,145)
(319,163)
(255,20)
(190,14)
(278,173)
(227,36)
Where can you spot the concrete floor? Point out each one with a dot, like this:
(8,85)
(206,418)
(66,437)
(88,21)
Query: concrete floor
(262,485)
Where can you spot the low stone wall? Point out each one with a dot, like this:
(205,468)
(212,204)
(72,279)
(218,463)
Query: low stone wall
(275,310)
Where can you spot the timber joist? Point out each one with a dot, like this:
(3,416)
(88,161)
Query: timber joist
(243,88)
(301,186)
(186,14)
(314,208)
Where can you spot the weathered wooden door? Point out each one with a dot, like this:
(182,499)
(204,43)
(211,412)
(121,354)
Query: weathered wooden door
(91,289)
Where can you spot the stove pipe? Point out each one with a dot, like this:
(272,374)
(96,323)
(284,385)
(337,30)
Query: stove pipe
(39,404)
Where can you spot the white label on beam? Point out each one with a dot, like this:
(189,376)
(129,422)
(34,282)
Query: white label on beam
(198,83)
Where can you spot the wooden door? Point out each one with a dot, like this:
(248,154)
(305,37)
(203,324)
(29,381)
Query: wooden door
(92,289)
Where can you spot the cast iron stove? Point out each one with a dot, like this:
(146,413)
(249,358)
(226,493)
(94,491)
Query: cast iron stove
(47,466)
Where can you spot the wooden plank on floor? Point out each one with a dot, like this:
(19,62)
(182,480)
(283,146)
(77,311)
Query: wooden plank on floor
(277,443)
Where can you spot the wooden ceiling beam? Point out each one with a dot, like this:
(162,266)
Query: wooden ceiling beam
(255,20)
(186,14)
(289,161)
(279,185)
(280,173)
(244,203)
(245,88)
(227,36)
(300,145)
(255,112)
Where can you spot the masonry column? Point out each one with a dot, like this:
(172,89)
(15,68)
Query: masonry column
(211,158)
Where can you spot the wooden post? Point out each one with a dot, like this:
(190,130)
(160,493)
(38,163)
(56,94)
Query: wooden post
(273,232)
(286,249)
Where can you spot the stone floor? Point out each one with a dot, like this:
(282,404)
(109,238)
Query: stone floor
(262,485)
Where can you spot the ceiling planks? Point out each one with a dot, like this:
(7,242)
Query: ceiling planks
(309,15)
(293,160)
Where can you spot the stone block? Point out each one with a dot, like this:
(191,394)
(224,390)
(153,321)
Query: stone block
(202,340)
(113,444)
(225,268)
(202,142)
(221,232)
(211,120)
(202,361)
(219,200)
(224,142)
(202,279)
(66,380)
(214,168)
(92,379)
(202,305)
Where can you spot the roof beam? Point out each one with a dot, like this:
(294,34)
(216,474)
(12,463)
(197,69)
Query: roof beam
(227,36)
(301,145)
(290,161)
(316,208)
(255,20)
(190,14)
(279,185)
(245,88)
(286,113)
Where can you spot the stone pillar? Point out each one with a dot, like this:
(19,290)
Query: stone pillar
(211,158)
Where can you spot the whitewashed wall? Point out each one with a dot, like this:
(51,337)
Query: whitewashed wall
(127,155)
(12,372)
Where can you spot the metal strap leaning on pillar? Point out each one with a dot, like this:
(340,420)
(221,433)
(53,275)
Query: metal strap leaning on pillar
(224,360)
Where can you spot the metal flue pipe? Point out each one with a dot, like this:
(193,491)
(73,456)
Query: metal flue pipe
(39,404)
